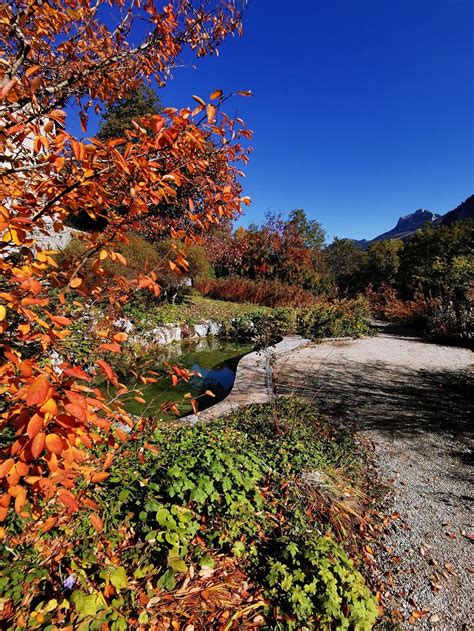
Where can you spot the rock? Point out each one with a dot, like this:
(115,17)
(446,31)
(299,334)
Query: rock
(215,328)
(166,334)
(201,329)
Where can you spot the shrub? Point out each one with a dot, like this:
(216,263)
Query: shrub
(386,305)
(315,579)
(451,322)
(342,318)
(270,293)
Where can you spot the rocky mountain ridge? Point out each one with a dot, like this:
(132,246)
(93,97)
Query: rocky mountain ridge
(409,224)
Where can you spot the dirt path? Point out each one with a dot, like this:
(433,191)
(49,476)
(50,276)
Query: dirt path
(414,400)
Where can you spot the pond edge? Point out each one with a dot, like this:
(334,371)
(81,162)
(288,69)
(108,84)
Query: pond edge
(253,383)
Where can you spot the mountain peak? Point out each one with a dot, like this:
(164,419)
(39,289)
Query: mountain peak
(416,220)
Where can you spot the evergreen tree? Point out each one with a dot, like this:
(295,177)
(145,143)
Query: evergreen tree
(118,117)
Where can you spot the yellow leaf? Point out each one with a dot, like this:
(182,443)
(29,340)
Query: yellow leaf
(3,313)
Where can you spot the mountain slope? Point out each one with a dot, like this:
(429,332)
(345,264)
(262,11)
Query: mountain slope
(463,211)
(409,224)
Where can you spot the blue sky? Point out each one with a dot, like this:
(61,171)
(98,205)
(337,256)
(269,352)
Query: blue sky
(363,111)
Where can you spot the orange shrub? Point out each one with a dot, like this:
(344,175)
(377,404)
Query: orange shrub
(385,304)
(269,293)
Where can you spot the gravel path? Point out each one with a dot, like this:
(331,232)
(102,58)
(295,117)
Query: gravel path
(414,401)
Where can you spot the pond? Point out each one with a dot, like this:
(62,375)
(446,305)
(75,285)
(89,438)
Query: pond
(214,359)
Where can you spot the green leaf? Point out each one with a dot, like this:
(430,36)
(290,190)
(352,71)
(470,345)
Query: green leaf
(207,561)
(118,577)
(87,604)
(167,581)
(175,563)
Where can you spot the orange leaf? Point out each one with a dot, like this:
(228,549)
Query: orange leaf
(97,522)
(100,476)
(199,100)
(49,407)
(77,372)
(120,337)
(108,460)
(68,500)
(216,94)
(6,466)
(211,112)
(61,320)
(152,448)
(37,444)
(106,369)
(38,391)
(113,348)
(48,524)
(75,282)
(20,499)
(34,426)
(77,411)
(54,444)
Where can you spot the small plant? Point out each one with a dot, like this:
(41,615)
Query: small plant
(314,579)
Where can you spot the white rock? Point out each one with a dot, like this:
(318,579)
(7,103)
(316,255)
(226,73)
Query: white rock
(201,329)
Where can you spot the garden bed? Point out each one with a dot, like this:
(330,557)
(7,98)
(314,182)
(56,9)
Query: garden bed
(259,518)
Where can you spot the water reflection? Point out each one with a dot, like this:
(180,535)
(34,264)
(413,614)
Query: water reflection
(214,359)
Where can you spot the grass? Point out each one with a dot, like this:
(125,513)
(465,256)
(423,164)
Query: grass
(192,310)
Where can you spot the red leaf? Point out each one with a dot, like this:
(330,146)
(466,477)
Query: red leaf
(106,369)
(77,373)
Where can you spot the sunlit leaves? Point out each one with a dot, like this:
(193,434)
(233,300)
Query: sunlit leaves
(53,406)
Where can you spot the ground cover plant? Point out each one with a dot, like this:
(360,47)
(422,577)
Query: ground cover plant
(247,520)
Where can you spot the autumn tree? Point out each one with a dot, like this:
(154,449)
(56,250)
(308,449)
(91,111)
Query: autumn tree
(56,54)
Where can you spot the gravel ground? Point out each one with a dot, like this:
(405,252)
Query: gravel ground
(413,400)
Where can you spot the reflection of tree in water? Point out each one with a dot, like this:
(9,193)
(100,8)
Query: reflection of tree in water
(213,358)
(217,387)
(219,381)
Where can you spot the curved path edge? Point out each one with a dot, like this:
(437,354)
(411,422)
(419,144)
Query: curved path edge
(252,380)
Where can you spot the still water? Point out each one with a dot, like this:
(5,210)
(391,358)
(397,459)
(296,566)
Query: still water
(215,361)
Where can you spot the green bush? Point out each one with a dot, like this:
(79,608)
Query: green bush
(344,318)
(315,579)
